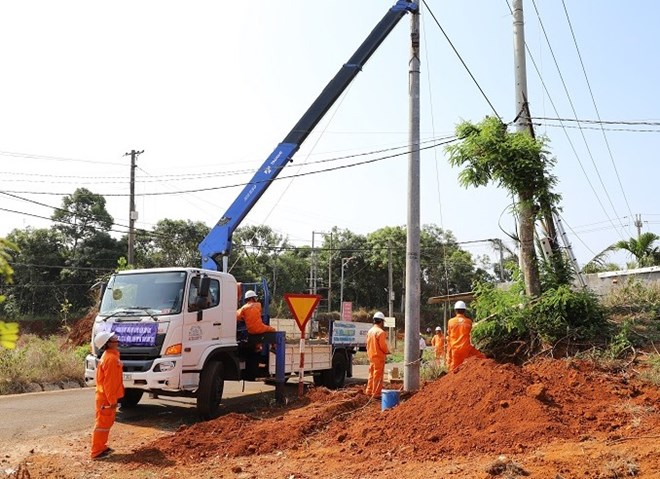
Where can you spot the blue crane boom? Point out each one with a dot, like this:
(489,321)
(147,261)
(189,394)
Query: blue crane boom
(217,244)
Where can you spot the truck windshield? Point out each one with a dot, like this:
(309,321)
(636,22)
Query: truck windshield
(154,292)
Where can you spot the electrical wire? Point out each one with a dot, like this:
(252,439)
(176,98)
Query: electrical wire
(593,100)
(570,101)
(568,137)
(630,130)
(461,60)
(215,188)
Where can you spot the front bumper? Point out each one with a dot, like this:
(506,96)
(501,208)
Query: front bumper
(155,378)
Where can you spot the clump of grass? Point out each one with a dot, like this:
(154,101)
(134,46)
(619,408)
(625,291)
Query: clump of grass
(432,370)
(619,466)
(651,374)
(41,361)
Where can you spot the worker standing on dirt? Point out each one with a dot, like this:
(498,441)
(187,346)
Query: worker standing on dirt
(250,312)
(459,346)
(109,390)
(438,343)
(377,350)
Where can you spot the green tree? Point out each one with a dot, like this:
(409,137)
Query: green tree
(6,271)
(642,249)
(517,162)
(82,215)
(37,265)
(170,243)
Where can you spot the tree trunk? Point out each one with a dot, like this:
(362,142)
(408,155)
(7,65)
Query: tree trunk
(530,269)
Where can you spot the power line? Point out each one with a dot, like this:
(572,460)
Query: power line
(461,59)
(630,130)
(570,101)
(602,122)
(214,188)
(55,158)
(593,100)
(568,137)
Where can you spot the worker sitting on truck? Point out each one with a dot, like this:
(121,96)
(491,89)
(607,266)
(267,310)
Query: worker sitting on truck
(250,312)
(377,350)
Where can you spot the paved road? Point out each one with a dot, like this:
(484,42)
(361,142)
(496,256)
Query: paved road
(25,417)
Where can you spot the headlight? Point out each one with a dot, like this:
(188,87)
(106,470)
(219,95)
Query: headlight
(165,366)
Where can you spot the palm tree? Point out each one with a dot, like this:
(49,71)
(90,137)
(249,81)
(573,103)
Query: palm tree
(641,248)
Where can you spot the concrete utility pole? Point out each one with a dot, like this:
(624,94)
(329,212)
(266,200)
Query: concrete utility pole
(132,214)
(411,353)
(330,276)
(638,225)
(522,111)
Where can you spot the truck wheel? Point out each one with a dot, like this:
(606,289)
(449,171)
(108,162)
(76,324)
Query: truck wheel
(336,377)
(131,398)
(209,394)
(318,380)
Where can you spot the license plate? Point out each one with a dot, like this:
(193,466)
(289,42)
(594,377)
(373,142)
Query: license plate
(128,377)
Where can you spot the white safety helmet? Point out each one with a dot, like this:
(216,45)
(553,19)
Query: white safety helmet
(460,305)
(438,328)
(250,294)
(379,317)
(102,338)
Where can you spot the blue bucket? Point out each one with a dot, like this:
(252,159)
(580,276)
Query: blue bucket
(390,398)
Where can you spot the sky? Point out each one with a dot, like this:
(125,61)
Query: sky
(208,89)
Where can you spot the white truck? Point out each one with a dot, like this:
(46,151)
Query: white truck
(177,326)
(179,336)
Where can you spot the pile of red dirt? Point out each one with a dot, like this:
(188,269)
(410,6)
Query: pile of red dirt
(483,407)
(243,435)
(502,408)
(81,331)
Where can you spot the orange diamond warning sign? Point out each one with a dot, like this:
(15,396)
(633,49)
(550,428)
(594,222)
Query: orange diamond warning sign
(302,306)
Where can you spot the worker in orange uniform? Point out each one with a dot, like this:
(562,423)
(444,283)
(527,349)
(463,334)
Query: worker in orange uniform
(109,390)
(438,344)
(459,346)
(250,312)
(377,350)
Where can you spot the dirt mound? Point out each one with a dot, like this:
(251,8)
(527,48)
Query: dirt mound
(242,435)
(81,331)
(483,407)
(502,408)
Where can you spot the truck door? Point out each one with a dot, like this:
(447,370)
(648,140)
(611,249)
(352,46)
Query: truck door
(201,321)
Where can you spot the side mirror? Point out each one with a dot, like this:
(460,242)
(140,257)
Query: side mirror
(203,296)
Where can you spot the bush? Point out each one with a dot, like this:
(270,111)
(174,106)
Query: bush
(41,361)
(511,326)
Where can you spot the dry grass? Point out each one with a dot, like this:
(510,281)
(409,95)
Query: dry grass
(619,466)
(41,361)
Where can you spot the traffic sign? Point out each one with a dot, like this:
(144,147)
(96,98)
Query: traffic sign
(302,306)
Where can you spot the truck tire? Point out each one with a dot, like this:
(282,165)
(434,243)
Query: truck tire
(131,398)
(335,378)
(209,394)
(318,379)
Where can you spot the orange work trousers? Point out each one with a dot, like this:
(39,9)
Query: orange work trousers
(376,374)
(105,418)
(455,358)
